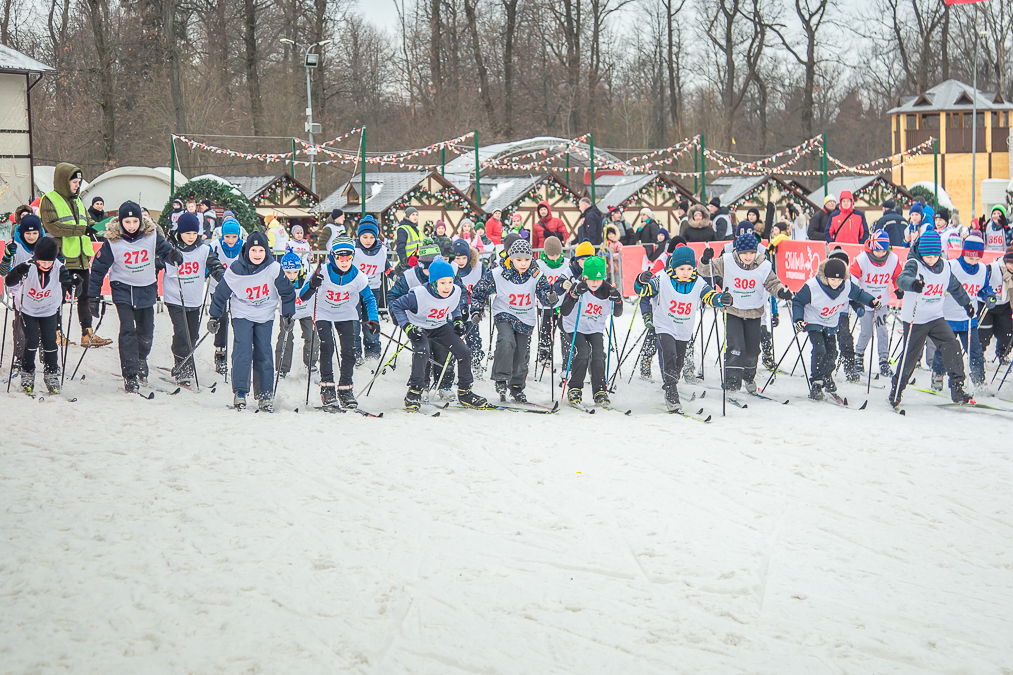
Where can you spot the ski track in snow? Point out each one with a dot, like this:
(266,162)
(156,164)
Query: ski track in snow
(176,536)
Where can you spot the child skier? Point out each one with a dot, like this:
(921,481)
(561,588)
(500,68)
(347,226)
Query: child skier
(569,276)
(974,277)
(875,269)
(552,264)
(227,248)
(584,321)
(925,280)
(816,308)
(38,284)
(674,294)
(746,275)
(371,260)
(339,289)
(298,243)
(296,273)
(20,249)
(253,287)
(128,257)
(183,291)
(998,320)
(517,288)
(845,340)
(997,229)
(469,272)
(430,314)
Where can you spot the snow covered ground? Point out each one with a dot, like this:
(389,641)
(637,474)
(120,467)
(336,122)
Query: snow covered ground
(177,536)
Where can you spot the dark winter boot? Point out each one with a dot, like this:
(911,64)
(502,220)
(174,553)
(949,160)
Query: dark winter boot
(574,395)
(221,365)
(750,386)
(470,399)
(602,398)
(767,350)
(850,373)
(184,375)
(816,390)
(142,373)
(265,402)
(672,398)
(52,382)
(347,398)
(502,389)
(328,395)
(131,384)
(937,382)
(28,382)
(359,361)
(860,363)
(957,393)
(239,400)
(413,399)
(829,385)
(517,393)
(884,368)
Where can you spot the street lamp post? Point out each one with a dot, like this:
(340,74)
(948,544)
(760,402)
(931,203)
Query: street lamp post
(311,60)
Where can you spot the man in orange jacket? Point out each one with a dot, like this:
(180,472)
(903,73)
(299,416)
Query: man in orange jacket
(847,226)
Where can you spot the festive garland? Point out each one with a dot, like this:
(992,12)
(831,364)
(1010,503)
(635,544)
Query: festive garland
(534,194)
(229,198)
(449,197)
(277,193)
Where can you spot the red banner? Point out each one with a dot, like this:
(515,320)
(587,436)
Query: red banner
(963,2)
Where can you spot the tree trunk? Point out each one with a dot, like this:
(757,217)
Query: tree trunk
(435,33)
(483,75)
(252,64)
(99,15)
(510,6)
(318,73)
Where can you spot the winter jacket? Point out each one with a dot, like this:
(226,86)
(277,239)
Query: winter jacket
(494,230)
(546,227)
(819,224)
(51,220)
(708,295)
(402,240)
(647,235)
(340,278)
(603,292)
(8,260)
(894,225)
(721,221)
(138,297)
(627,234)
(910,273)
(592,227)
(715,270)
(15,276)
(244,267)
(486,286)
(695,232)
(804,295)
(847,227)
(400,307)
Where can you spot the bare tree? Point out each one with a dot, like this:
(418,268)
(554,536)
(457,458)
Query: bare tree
(98,14)
(252,65)
(737,32)
(811,14)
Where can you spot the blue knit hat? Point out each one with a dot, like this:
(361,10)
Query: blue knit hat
(930,243)
(745,242)
(439,269)
(368,224)
(290,261)
(229,226)
(916,208)
(342,244)
(682,255)
(461,248)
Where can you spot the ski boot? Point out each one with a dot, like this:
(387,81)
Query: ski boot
(142,373)
(860,364)
(265,402)
(501,389)
(884,368)
(602,398)
(816,390)
(517,393)
(937,382)
(470,399)
(413,400)
(15,370)
(574,396)
(346,397)
(829,385)
(184,375)
(446,394)
(850,373)
(359,361)
(672,398)
(282,374)
(28,382)
(894,402)
(957,393)
(52,382)
(750,386)
(221,364)
(328,396)
(239,400)
(132,384)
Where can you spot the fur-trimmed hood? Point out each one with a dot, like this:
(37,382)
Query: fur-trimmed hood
(706,217)
(115,232)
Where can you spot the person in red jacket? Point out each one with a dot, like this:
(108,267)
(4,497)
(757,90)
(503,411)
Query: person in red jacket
(494,227)
(547,226)
(847,226)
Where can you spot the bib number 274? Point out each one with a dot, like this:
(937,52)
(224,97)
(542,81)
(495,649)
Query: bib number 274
(257,292)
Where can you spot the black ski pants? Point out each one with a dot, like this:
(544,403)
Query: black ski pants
(137,330)
(946,342)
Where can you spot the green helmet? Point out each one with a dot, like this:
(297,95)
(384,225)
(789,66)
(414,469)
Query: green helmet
(594,269)
(428,251)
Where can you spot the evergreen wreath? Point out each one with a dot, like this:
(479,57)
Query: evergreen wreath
(226,196)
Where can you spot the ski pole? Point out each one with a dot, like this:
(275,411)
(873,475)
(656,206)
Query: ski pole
(804,371)
(207,287)
(908,329)
(186,328)
(552,356)
(1005,375)
(3,343)
(437,384)
(101,315)
(569,361)
(175,371)
(66,342)
(776,368)
(799,359)
(284,348)
(627,355)
(380,370)
(313,335)
(608,357)
(872,350)
(641,354)
(724,366)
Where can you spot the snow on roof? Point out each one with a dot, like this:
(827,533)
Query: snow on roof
(951,95)
(11,59)
(251,186)
(384,188)
(621,187)
(507,189)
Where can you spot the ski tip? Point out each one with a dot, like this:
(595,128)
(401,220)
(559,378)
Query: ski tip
(708,418)
(704,394)
(174,392)
(845,401)
(555,407)
(700,412)
(862,407)
(435,415)
(628,412)
(786,401)
(150,396)
(378,416)
(82,377)
(41,399)
(591,411)
(296,410)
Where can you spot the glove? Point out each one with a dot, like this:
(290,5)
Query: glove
(800,325)
(12,248)
(551,298)
(212,326)
(77,281)
(373,327)
(93,306)
(567,284)
(876,303)
(708,255)
(644,278)
(775,320)
(970,311)
(785,294)
(287,323)
(476,317)
(413,332)
(615,295)
(990,301)
(727,300)
(91,232)
(918,285)
(649,320)
(22,269)
(316,279)
(174,256)
(460,327)
(579,290)
(898,293)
